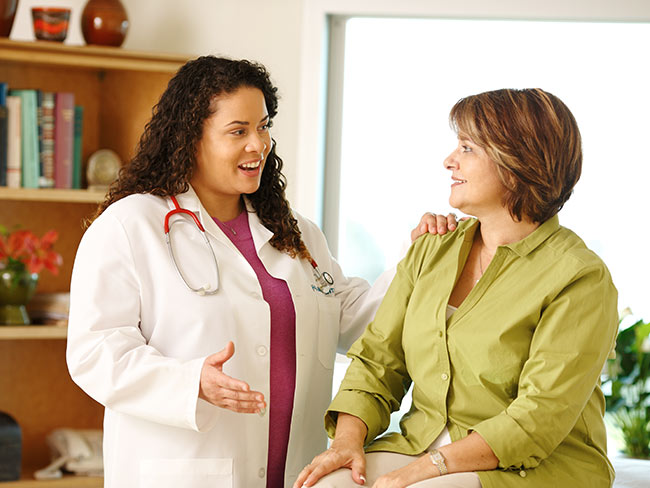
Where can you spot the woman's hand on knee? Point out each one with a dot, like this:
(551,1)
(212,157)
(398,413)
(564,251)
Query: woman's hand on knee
(420,469)
(337,456)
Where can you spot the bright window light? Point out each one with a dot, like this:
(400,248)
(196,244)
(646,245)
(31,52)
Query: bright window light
(401,78)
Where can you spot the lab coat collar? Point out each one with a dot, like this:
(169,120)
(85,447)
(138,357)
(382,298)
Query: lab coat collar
(190,201)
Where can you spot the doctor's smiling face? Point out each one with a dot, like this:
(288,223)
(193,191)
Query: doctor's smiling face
(230,155)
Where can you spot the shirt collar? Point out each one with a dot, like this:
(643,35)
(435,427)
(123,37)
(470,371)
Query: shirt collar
(530,243)
(524,246)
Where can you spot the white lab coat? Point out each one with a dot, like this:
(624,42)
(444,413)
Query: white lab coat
(138,337)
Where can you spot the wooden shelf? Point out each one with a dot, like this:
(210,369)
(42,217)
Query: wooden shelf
(65,482)
(51,195)
(93,57)
(20,332)
(118,90)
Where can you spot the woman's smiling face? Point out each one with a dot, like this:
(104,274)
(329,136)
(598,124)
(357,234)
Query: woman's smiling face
(476,187)
(230,155)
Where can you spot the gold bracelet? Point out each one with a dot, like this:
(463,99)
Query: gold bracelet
(438,461)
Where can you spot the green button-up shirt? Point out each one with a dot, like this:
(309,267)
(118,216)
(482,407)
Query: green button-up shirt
(519,362)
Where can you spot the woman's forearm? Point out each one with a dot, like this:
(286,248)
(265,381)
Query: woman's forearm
(350,430)
(469,454)
(346,451)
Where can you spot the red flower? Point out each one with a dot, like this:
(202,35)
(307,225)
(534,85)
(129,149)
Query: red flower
(22,248)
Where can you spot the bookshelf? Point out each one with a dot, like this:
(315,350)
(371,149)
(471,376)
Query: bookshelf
(50,195)
(65,482)
(118,89)
(26,332)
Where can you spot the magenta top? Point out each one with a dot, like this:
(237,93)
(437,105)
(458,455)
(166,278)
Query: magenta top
(283,348)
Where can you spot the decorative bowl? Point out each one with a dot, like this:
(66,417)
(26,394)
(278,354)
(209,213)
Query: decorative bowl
(50,24)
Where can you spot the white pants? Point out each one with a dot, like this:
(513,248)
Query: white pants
(379,463)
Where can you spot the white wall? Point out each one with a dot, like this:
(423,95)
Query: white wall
(313,66)
(288,36)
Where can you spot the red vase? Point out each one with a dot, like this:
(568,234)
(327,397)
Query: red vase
(7,14)
(104,22)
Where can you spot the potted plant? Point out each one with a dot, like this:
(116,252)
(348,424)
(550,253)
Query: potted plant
(627,378)
(23,256)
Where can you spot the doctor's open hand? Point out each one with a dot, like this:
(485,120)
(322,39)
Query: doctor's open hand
(223,391)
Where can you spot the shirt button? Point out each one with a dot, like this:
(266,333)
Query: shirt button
(444,376)
(261,472)
(262,412)
(439,333)
(262,350)
(522,473)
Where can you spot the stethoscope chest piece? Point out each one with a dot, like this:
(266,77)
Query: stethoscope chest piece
(324,280)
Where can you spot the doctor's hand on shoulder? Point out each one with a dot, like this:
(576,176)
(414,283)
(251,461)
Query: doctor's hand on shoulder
(224,391)
(435,224)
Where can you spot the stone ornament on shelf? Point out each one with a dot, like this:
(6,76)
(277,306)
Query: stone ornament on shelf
(104,22)
(103,167)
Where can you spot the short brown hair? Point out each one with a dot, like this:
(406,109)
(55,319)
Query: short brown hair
(533,139)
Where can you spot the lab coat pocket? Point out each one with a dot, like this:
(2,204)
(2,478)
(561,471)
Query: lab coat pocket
(329,313)
(188,473)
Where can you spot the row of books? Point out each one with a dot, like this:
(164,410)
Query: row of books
(40,139)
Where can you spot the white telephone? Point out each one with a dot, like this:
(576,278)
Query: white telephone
(74,450)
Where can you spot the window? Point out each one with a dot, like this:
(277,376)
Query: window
(402,76)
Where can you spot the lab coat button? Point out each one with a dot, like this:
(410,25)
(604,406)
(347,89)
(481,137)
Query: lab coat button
(262,412)
(261,472)
(444,376)
(440,333)
(522,473)
(262,350)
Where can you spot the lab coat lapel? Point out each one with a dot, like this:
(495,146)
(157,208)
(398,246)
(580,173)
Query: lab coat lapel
(261,235)
(190,201)
(277,263)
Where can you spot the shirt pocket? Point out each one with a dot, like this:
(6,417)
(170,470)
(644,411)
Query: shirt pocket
(188,473)
(329,318)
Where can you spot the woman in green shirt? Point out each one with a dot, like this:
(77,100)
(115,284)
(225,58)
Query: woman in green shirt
(502,327)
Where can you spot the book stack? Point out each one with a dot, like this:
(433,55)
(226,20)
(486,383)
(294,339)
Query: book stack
(40,139)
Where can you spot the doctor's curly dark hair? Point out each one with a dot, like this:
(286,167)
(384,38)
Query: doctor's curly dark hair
(166,154)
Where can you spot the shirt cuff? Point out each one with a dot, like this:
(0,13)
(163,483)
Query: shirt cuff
(361,404)
(510,443)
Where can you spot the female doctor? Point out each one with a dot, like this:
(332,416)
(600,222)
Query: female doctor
(196,250)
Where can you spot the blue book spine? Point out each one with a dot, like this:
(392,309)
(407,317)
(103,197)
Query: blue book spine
(78,138)
(3,94)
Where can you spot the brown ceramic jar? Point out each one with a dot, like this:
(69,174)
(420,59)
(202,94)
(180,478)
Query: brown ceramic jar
(7,14)
(104,22)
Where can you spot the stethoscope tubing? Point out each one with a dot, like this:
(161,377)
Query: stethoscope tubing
(202,290)
(323,279)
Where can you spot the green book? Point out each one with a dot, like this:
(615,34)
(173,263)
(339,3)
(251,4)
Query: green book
(78,134)
(31,158)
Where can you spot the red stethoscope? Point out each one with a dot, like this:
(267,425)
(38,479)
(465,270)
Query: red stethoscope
(323,279)
(178,210)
